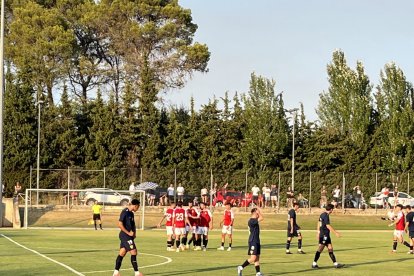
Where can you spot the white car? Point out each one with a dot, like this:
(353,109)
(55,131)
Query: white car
(105,196)
(403,198)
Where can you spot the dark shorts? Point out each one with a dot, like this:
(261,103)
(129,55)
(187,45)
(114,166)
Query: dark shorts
(325,239)
(128,244)
(96,216)
(254,249)
(296,233)
(255,198)
(411,234)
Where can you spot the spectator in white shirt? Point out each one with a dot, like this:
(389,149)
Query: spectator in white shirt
(204,193)
(132,189)
(255,194)
(180,192)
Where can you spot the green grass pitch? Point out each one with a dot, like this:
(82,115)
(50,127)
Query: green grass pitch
(90,252)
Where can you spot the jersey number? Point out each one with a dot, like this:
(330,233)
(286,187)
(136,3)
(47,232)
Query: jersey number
(179,217)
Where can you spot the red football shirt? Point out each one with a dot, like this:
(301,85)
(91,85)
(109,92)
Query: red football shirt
(228,217)
(205,218)
(179,217)
(168,215)
(401,223)
(192,212)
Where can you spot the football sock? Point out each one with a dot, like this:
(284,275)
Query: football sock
(191,240)
(177,243)
(394,245)
(222,244)
(246,263)
(331,254)
(406,244)
(287,244)
(184,241)
(205,242)
(257,268)
(411,248)
(95,225)
(300,244)
(118,262)
(100,226)
(169,244)
(172,241)
(317,255)
(229,244)
(134,262)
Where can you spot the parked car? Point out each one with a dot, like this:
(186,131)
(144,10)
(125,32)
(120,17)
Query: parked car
(104,196)
(403,198)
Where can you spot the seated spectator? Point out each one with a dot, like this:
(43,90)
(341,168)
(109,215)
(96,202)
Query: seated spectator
(303,202)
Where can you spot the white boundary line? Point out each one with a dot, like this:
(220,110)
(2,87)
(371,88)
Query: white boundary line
(168,260)
(43,256)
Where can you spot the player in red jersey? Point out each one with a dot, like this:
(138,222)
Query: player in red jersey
(179,221)
(205,224)
(193,216)
(227,226)
(168,225)
(399,223)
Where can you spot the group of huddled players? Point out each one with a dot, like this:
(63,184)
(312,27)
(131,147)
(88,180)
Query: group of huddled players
(191,226)
(403,219)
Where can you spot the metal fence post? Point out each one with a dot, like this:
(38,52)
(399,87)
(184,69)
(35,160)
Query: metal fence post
(343,191)
(408,183)
(376,189)
(278,194)
(245,194)
(310,192)
(175,183)
(68,198)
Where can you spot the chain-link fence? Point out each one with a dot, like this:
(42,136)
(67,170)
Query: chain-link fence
(308,184)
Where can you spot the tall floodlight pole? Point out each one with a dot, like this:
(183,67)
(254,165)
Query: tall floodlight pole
(294,113)
(38,151)
(1,106)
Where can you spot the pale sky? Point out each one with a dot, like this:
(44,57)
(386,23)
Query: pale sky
(291,41)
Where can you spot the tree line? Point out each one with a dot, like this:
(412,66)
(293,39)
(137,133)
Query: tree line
(99,69)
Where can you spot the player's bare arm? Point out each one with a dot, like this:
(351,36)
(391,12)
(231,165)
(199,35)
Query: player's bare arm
(259,213)
(291,225)
(123,229)
(162,219)
(333,230)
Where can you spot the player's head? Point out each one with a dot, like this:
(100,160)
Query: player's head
(180,204)
(295,205)
(227,205)
(329,208)
(254,213)
(408,208)
(202,205)
(134,205)
(172,204)
(399,207)
(96,202)
(190,204)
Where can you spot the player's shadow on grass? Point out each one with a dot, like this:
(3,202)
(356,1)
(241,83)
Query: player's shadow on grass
(380,261)
(200,270)
(263,246)
(358,248)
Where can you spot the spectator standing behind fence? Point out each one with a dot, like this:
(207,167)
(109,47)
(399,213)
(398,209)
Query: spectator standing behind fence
(17,191)
(384,194)
(303,202)
(180,192)
(336,196)
(290,198)
(170,193)
(214,191)
(273,196)
(396,194)
(267,196)
(255,194)
(204,193)
(358,196)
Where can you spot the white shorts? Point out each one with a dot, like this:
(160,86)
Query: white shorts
(179,231)
(202,230)
(191,229)
(227,229)
(169,230)
(273,197)
(398,233)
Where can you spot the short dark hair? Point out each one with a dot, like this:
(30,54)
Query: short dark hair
(202,203)
(179,203)
(253,210)
(400,205)
(135,202)
(295,204)
(227,203)
(329,207)
(408,207)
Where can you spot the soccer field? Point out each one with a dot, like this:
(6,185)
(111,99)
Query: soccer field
(90,252)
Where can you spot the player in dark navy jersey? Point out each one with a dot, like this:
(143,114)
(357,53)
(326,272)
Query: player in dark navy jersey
(127,235)
(409,227)
(324,229)
(293,229)
(254,242)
